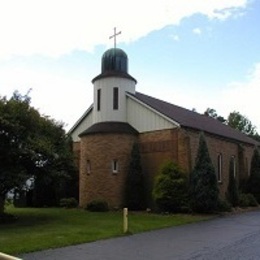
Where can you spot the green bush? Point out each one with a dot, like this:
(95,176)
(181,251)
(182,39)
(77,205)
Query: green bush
(97,206)
(68,203)
(223,206)
(171,189)
(247,200)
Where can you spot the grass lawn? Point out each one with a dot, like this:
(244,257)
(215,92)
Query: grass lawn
(38,229)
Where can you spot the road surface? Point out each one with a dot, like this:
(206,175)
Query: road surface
(230,237)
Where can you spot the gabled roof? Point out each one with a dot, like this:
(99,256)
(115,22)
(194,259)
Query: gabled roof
(194,120)
(80,119)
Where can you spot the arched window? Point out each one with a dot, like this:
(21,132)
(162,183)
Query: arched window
(115,166)
(88,167)
(233,165)
(219,170)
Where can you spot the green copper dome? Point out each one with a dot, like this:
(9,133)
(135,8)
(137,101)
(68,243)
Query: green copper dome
(114,60)
(114,64)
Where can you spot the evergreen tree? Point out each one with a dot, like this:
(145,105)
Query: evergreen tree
(171,189)
(232,190)
(253,185)
(204,189)
(135,190)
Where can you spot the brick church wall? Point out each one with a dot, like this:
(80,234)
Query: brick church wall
(217,145)
(156,148)
(97,180)
(181,145)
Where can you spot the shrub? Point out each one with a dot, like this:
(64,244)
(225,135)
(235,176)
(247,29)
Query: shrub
(7,218)
(204,189)
(68,203)
(171,189)
(247,200)
(97,206)
(223,206)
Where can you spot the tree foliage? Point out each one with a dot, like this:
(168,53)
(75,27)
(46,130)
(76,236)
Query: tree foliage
(135,188)
(241,123)
(210,112)
(31,145)
(171,189)
(232,190)
(204,189)
(253,185)
(236,121)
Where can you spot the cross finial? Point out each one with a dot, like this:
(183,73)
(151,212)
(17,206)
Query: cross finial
(114,36)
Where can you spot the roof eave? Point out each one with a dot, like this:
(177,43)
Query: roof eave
(80,120)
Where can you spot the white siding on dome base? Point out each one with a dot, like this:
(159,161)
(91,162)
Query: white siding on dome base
(145,119)
(106,85)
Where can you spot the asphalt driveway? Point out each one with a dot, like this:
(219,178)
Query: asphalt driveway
(231,237)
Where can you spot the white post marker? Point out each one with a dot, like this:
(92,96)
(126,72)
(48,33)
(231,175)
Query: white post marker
(125,220)
(8,257)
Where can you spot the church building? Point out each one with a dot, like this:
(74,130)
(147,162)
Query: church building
(121,116)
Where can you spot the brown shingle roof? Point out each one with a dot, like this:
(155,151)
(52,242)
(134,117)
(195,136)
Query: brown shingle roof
(191,119)
(110,127)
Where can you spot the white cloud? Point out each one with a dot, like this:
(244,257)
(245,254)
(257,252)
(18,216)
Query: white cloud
(237,96)
(55,27)
(244,96)
(59,97)
(197,31)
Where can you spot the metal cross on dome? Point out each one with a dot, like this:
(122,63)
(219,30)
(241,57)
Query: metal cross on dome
(114,36)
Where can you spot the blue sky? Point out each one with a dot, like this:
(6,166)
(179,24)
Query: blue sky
(195,54)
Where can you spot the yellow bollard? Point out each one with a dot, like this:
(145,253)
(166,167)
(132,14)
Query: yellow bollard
(125,220)
(8,257)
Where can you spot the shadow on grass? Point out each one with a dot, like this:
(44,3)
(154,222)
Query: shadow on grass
(24,219)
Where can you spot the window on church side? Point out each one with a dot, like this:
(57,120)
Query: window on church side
(233,165)
(98,99)
(219,172)
(88,167)
(247,166)
(115,98)
(115,166)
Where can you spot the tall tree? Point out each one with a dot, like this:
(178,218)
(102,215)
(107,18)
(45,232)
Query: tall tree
(236,121)
(135,189)
(204,188)
(253,185)
(31,145)
(232,190)
(241,123)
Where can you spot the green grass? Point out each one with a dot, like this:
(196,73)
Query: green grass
(38,229)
